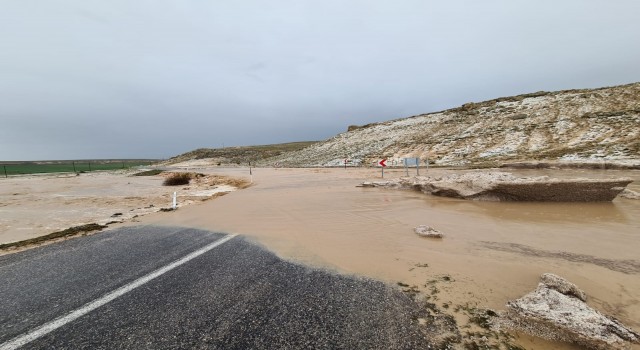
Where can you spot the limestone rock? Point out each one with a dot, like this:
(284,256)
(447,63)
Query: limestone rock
(562,285)
(428,231)
(389,184)
(501,186)
(629,194)
(556,310)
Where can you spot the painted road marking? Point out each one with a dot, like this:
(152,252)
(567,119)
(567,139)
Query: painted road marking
(85,309)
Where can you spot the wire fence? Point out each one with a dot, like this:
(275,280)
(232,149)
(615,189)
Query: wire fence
(26,168)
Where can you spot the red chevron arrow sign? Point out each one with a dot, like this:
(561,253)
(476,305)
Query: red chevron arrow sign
(382,163)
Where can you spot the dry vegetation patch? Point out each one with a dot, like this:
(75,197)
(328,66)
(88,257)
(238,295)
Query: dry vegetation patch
(199,179)
(178,179)
(242,154)
(215,180)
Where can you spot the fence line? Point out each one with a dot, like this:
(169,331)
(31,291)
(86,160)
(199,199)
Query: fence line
(70,167)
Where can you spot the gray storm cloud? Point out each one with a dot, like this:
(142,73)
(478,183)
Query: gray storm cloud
(129,79)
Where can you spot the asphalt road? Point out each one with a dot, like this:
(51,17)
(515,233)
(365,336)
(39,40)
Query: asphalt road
(235,295)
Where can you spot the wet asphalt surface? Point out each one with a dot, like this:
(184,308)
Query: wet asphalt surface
(235,296)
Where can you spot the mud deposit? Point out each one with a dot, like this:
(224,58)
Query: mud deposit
(492,252)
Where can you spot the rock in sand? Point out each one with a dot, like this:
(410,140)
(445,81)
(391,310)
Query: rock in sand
(556,310)
(428,231)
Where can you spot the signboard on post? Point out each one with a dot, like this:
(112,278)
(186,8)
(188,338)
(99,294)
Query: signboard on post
(382,163)
(412,162)
(349,162)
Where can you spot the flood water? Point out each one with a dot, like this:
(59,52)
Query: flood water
(492,251)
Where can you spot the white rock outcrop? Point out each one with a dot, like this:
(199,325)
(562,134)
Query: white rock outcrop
(597,125)
(556,310)
(501,186)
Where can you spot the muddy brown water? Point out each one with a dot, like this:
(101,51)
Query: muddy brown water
(492,251)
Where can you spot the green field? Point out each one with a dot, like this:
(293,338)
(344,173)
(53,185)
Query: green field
(68,166)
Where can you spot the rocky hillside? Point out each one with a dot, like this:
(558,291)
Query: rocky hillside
(239,155)
(581,125)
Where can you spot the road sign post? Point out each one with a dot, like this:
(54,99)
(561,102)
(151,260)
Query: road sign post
(410,162)
(382,163)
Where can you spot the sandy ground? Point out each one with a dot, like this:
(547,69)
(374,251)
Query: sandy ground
(36,205)
(492,252)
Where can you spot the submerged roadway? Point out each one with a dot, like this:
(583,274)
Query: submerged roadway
(153,287)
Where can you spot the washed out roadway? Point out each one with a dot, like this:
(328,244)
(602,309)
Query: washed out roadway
(236,295)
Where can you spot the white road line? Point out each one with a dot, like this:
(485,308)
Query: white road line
(73,315)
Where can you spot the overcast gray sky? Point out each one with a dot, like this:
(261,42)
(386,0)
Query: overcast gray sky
(152,79)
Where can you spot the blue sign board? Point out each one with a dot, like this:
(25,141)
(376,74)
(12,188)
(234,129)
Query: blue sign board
(411,161)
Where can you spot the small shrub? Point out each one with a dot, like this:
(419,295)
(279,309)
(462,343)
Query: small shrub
(177,179)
